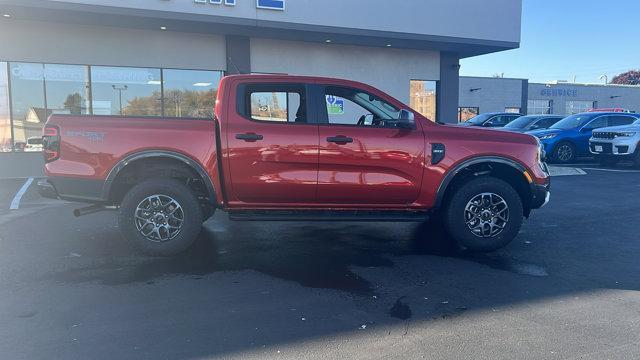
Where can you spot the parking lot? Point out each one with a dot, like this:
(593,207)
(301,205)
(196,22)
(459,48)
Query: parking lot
(566,288)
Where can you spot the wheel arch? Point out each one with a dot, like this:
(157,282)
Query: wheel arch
(157,155)
(503,168)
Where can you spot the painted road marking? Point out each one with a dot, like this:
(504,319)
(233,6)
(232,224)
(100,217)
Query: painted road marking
(615,170)
(15,203)
(565,171)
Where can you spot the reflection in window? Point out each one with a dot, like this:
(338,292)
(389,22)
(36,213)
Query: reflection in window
(67,89)
(539,107)
(277,106)
(467,113)
(126,91)
(5,123)
(28,105)
(422,98)
(190,93)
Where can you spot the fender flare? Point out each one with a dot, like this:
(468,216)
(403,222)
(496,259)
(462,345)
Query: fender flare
(159,154)
(444,185)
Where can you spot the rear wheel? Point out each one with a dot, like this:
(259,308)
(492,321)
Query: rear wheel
(485,214)
(564,153)
(161,217)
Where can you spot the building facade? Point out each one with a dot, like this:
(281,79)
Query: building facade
(482,95)
(164,58)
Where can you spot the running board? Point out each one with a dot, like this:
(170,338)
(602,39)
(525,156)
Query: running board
(329,215)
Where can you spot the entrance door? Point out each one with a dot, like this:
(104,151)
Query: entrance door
(273,145)
(365,159)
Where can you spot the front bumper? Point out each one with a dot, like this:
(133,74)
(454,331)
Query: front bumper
(540,195)
(617,147)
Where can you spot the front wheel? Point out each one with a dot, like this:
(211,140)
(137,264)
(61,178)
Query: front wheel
(485,214)
(564,153)
(160,217)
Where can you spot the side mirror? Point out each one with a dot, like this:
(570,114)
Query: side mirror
(406,119)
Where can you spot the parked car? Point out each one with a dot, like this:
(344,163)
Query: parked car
(34,144)
(613,144)
(569,138)
(532,122)
(295,148)
(492,120)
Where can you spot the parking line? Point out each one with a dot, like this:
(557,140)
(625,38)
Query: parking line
(15,203)
(614,170)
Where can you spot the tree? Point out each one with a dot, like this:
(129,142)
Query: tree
(73,103)
(631,77)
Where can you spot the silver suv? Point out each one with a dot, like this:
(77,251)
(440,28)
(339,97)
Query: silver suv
(612,144)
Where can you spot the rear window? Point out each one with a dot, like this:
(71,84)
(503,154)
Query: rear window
(281,103)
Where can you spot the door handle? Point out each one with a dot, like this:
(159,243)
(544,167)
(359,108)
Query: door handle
(340,140)
(249,137)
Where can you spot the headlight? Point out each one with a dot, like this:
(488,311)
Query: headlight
(547,137)
(625,134)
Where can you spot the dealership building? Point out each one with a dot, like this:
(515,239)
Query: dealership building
(483,95)
(164,58)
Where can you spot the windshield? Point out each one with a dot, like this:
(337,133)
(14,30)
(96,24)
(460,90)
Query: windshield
(521,122)
(572,122)
(479,119)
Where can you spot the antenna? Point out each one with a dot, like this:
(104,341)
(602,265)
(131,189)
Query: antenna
(234,65)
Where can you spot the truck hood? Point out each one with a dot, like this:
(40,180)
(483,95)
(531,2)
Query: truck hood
(619,128)
(489,134)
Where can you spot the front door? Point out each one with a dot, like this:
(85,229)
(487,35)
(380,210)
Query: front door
(364,158)
(273,146)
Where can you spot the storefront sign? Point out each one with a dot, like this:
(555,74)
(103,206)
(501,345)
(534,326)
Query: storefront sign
(559,92)
(260,4)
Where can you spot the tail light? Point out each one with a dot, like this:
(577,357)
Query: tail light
(51,143)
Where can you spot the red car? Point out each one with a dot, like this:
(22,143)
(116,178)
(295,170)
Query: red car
(295,148)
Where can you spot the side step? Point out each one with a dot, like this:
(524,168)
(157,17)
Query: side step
(329,215)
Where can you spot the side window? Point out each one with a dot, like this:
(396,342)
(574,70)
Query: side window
(346,106)
(621,120)
(545,123)
(275,103)
(597,123)
(498,121)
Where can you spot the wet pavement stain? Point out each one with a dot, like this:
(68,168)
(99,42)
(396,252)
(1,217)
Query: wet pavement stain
(400,310)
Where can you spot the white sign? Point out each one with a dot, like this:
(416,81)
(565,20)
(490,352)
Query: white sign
(260,4)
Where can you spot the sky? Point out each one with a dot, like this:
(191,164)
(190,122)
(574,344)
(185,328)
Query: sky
(566,38)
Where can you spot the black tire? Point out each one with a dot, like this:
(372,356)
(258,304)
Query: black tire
(606,160)
(455,214)
(564,152)
(191,212)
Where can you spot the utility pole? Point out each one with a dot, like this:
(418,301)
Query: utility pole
(120,89)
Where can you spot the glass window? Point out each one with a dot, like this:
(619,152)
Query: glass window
(499,121)
(597,123)
(27,103)
(422,98)
(621,120)
(126,91)
(512,110)
(578,107)
(467,113)
(546,123)
(354,107)
(6,144)
(67,89)
(277,103)
(539,107)
(190,93)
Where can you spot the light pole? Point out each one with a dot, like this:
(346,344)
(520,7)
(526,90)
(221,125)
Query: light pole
(120,90)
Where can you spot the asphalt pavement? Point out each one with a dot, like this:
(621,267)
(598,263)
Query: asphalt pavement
(566,288)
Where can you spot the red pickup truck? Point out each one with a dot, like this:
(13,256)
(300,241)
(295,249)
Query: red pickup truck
(295,148)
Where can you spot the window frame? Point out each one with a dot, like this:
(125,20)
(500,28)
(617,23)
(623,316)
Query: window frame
(585,126)
(323,114)
(243,99)
(633,118)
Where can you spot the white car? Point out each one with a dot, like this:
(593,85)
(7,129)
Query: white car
(612,144)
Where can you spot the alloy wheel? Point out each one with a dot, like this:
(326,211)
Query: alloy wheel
(159,218)
(486,215)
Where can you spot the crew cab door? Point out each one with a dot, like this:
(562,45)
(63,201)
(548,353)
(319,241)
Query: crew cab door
(272,145)
(365,158)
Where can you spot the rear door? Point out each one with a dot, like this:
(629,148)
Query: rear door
(273,145)
(364,158)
